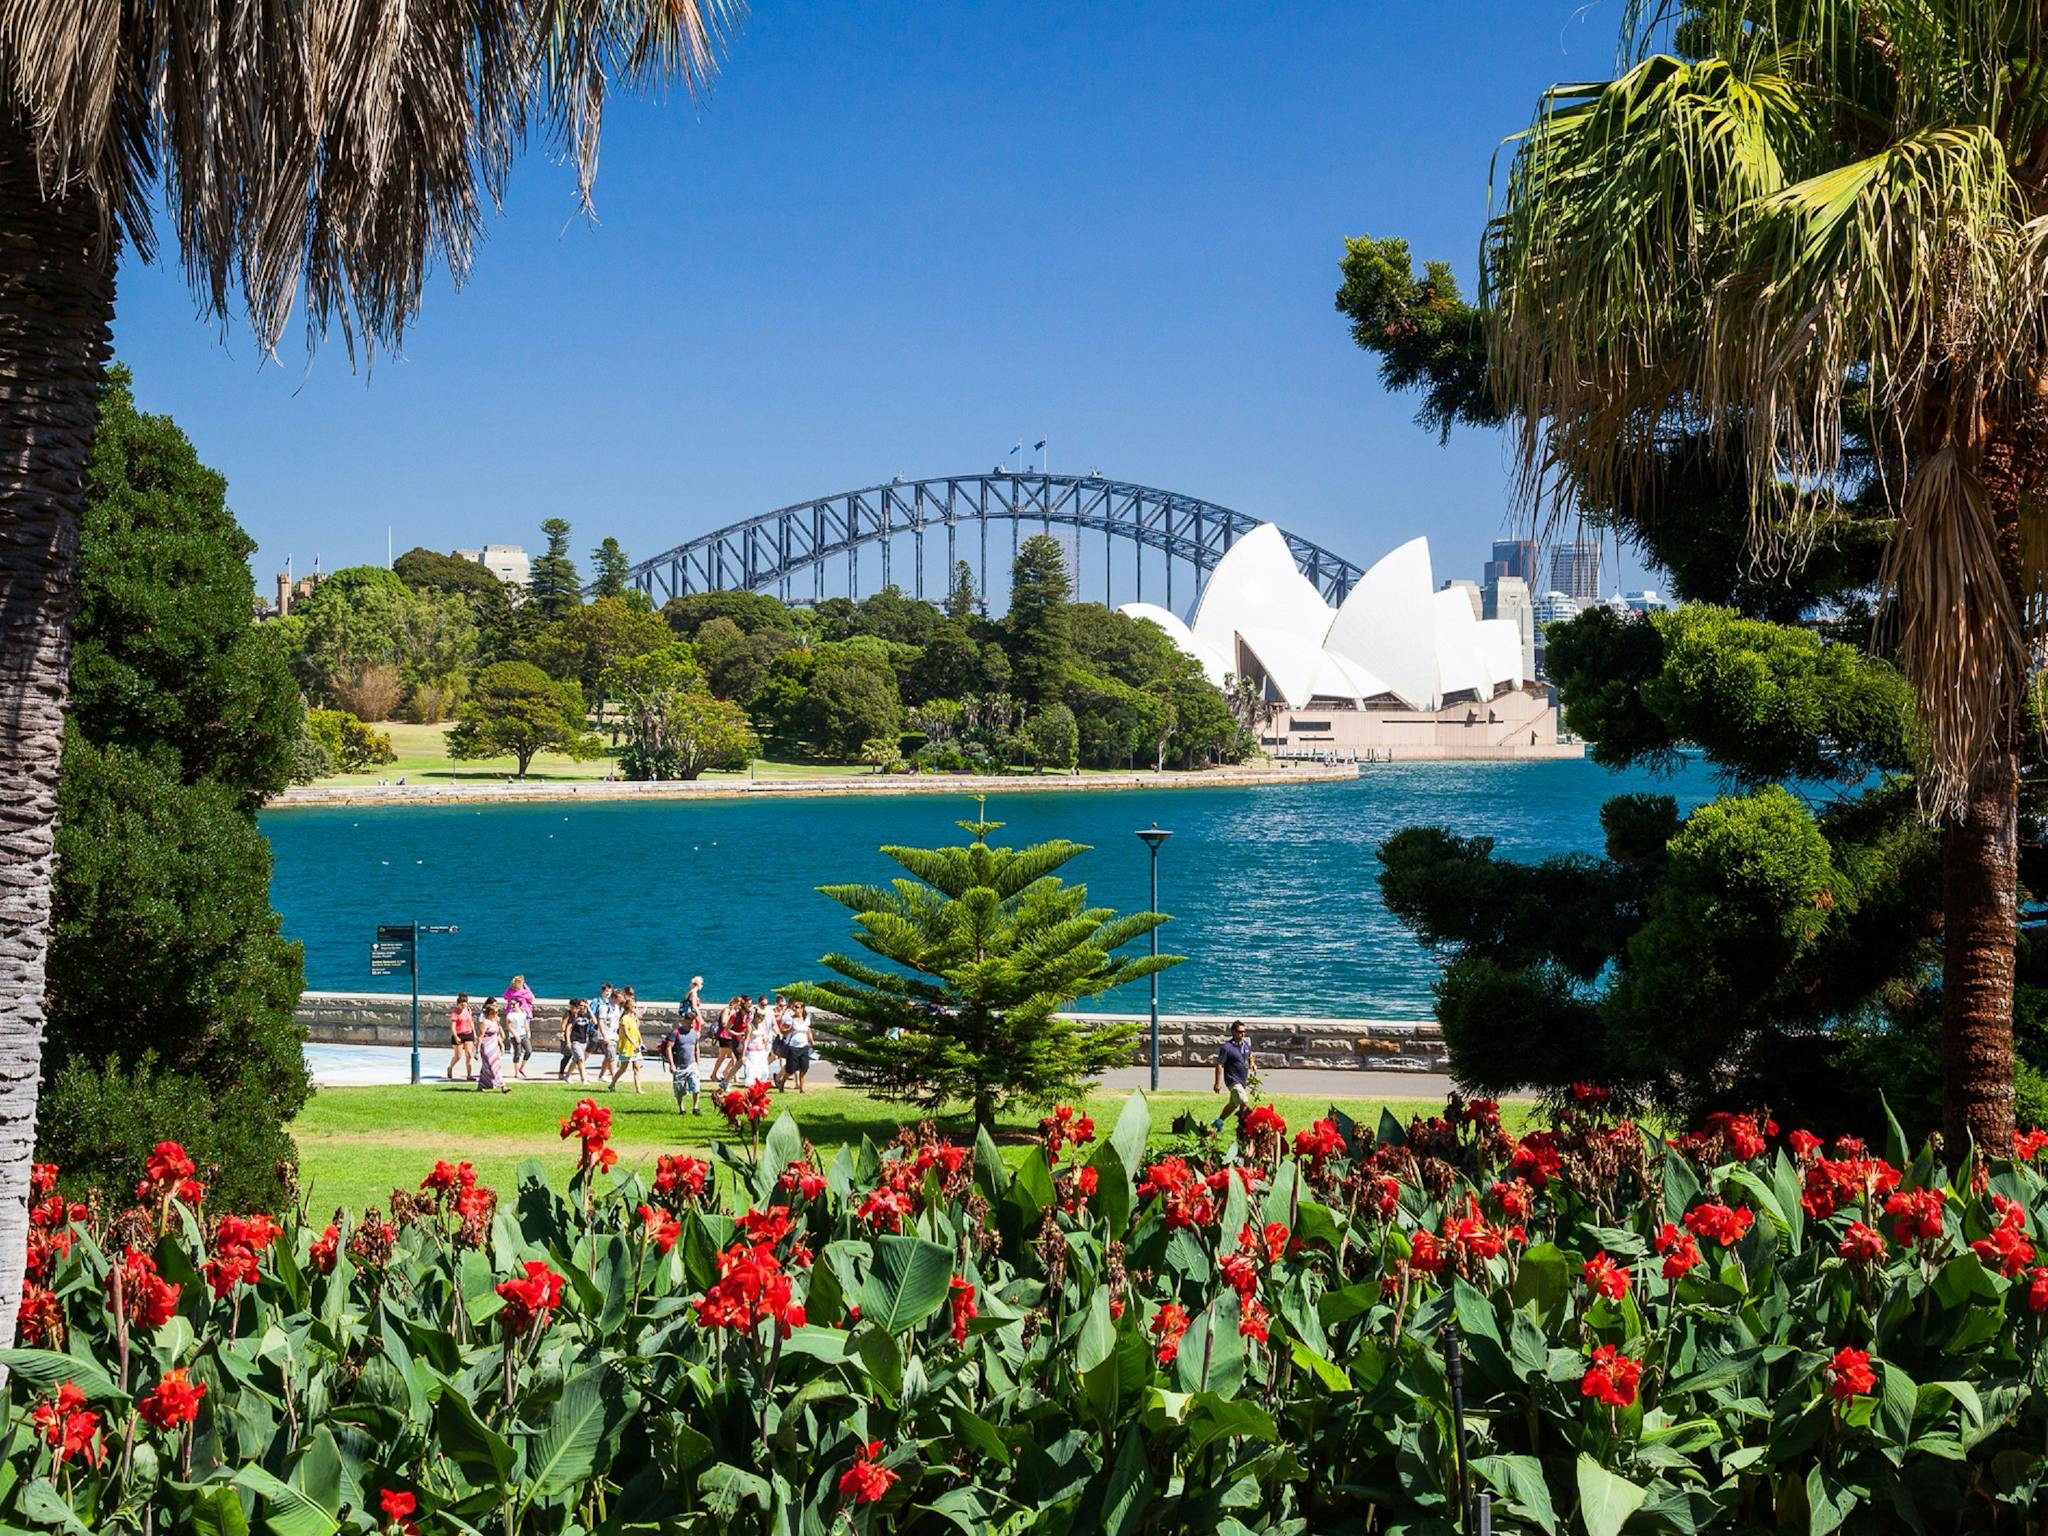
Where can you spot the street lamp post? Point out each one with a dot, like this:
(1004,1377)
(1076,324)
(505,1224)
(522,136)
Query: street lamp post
(1153,836)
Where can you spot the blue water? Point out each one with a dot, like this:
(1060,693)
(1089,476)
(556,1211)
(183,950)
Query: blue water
(1273,889)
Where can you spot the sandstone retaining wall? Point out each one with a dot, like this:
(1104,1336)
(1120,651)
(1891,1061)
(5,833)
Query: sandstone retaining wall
(1377,1045)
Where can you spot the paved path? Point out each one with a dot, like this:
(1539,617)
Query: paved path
(370,1066)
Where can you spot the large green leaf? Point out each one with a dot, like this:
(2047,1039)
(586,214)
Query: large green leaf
(217,1511)
(50,1369)
(905,1284)
(783,1145)
(1519,1482)
(288,1511)
(1605,1500)
(991,1173)
(566,1451)
(1133,1127)
(485,1456)
(1114,1200)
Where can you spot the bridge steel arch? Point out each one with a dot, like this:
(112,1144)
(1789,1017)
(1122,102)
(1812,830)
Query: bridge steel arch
(771,550)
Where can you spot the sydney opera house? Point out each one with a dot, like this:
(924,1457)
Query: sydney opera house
(1401,670)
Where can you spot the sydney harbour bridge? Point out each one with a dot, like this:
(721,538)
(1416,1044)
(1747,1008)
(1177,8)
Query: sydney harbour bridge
(811,544)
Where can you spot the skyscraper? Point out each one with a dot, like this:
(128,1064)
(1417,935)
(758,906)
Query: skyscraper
(1511,557)
(1508,598)
(1575,571)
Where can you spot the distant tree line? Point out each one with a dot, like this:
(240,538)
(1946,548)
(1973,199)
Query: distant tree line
(715,678)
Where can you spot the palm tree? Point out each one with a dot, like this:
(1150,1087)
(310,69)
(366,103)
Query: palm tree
(1783,215)
(323,153)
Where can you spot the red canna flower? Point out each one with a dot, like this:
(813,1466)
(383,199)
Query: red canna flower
(150,1299)
(1252,1321)
(69,1427)
(1717,1223)
(1321,1141)
(1065,1127)
(765,1228)
(2026,1144)
(1680,1252)
(1804,1144)
(1425,1254)
(1240,1273)
(1917,1215)
(2037,1291)
(1604,1277)
(1536,1159)
(680,1175)
(42,1179)
(1612,1377)
(1169,1325)
(1264,1120)
(168,1166)
(884,1209)
(659,1228)
(965,1308)
(866,1481)
(802,1180)
(398,1507)
(39,1321)
(1862,1245)
(529,1298)
(1849,1374)
(1517,1200)
(324,1248)
(592,1123)
(174,1401)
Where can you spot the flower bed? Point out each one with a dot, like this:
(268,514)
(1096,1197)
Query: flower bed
(1741,1331)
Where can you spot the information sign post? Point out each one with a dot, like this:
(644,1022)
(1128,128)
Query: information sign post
(397,948)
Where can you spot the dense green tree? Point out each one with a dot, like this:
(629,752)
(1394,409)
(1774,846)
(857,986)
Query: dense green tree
(744,665)
(354,622)
(983,947)
(516,710)
(675,728)
(1052,738)
(552,583)
(962,601)
(165,656)
(851,702)
(749,610)
(499,622)
(611,570)
(586,640)
(1040,643)
(948,666)
(168,982)
(169,979)
(1205,732)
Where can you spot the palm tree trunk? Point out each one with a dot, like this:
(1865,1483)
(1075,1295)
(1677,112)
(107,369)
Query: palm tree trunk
(1980,900)
(56,311)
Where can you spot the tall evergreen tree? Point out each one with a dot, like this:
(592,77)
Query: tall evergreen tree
(614,570)
(987,945)
(962,601)
(171,991)
(553,584)
(1041,639)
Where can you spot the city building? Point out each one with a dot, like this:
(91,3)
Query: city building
(508,562)
(1550,608)
(1512,557)
(1401,670)
(1646,601)
(1507,601)
(1470,588)
(290,591)
(1575,571)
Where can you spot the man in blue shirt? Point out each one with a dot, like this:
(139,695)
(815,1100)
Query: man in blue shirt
(1234,1074)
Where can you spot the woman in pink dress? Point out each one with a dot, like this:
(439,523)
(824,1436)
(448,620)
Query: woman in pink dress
(490,1052)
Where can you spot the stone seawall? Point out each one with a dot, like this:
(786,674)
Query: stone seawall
(1377,1045)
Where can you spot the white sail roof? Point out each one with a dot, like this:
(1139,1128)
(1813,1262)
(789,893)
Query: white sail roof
(1500,646)
(1257,585)
(1395,635)
(1387,625)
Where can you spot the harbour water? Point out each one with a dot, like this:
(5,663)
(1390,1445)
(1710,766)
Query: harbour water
(1274,890)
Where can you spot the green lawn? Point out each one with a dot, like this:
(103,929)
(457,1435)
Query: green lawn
(423,758)
(356,1144)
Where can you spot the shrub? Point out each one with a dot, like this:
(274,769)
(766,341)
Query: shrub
(351,744)
(1738,1332)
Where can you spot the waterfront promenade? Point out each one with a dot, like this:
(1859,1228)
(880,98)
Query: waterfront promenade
(431,791)
(385,1066)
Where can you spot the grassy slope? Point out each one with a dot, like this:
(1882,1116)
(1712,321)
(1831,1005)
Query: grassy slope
(355,1144)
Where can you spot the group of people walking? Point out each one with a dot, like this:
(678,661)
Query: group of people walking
(768,1040)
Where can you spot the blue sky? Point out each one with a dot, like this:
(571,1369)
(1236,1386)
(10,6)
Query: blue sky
(898,238)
